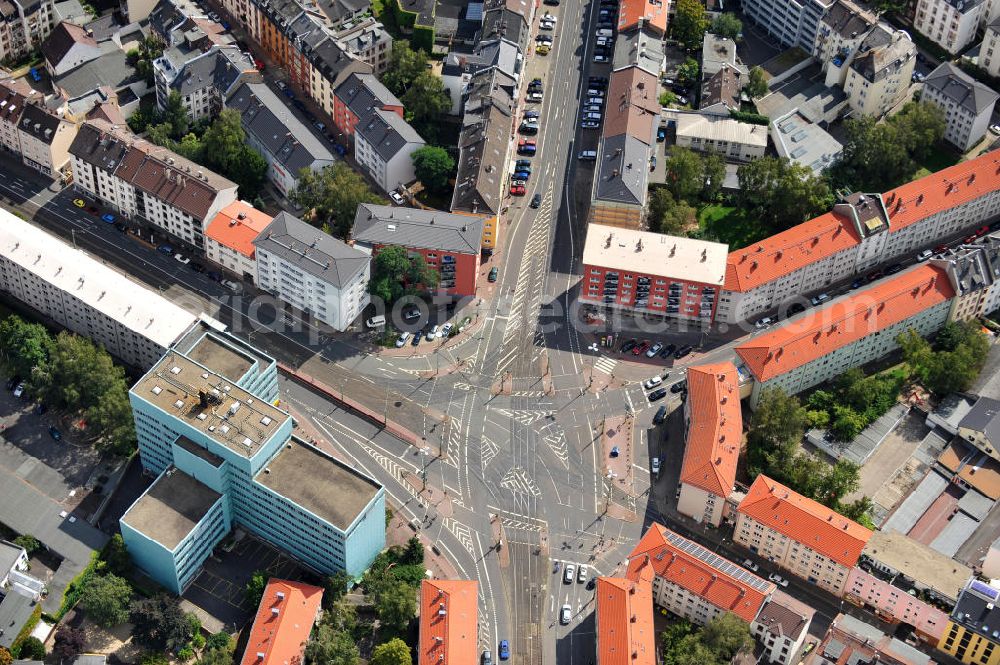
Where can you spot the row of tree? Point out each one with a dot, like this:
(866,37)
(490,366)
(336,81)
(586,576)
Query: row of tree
(854,401)
(952,363)
(410,78)
(70,373)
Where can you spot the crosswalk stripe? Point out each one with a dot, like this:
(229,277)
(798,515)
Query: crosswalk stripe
(605,364)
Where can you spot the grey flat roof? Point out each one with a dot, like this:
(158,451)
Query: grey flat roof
(326,487)
(15,610)
(412,227)
(311,250)
(9,554)
(171,508)
(976,505)
(219,358)
(917,503)
(953,536)
(201,328)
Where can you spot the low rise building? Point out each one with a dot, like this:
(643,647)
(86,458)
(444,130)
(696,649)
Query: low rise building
(230,236)
(693,582)
(850,640)
(271,128)
(84,295)
(651,272)
(450,243)
(625,632)
(712,440)
(852,331)
(286,615)
(717,53)
(734,140)
(312,271)
(67,47)
(723,91)
(967,104)
(971,635)
(801,141)
(14,96)
(384,144)
(147,183)
(799,535)
(951,24)
(781,627)
(356,97)
(981,426)
(449,622)
(843,28)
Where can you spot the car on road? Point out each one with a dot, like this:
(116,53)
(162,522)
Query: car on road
(180,258)
(19,390)
(528,128)
(432,333)
(522,176)
(653,350)
(641,348)
(661,134)
(667,350)
(530,114)
(166,249)
(565,614)
(657,394)
(54,432)
(683,351)
(750,565)
(820,299)
(778,579)
(581,575)
(231,285)
(568,573)
(661,415)
(403,338)
(504,651)
(526,147)
(649,384)
(486,658)
(517,190)
(534,97)
(536,200)
(600,57)
(872,276)
(763,323)
(809,647)
(795,308)
(108,217)
(678,387)
(397,198)
(492,277)
(654,466)
(549,17)
(924,255)
(592,582)
(79,203)
(446,330)
(551,3)
(197,267)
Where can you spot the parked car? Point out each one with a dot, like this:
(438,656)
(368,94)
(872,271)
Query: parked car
(820,299)
(654,466)
(54,432)
(516,190)
(231,285)
(180,258)
(19,389)
(750,565)
(403,338)
(166,249)
(652,383)
(653,350)
(657,394)
(492,277)
(417,336)
(79,203)
(641,348)
(445,330)
(764,322)
(629,345)
(581,575)
(678,387)
(565,614)
(543,49)
(660,416)
(432,333)
(397,198)
(778,579)
(667,350)
(486,658)
(683,351)
(547,25)
(894,268)
(924,255)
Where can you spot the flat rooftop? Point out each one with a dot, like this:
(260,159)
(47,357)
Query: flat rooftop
(322,485)
(220,358)
(656,254)
(207,325)
(171,508)
(923,565)
(210,403)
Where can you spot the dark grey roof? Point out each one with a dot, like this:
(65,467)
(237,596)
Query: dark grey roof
(638,48)
(103,28)
(338,10)
(782,621)
(277,130)
(502,23)
(331,60)
(9,554)
(723,87)
(421,229)
(109,70)
(846,19)
(282,12)
(62,38)
(39,123)
(951,82)
(387,133)
(978,609)
(362,93)
(964,6)
(166,16)
(311,250)
(500,53)
(220,68)
(883,52)
(984,416)
(99,150)
(15,610)
(622,171)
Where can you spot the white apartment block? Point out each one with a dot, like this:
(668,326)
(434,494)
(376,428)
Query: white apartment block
(782,627)
(146,182)
(24,25)
(383,145)
(989,52)
(952,24)
(84,295)
(312,271)
(862,232)
(878,78)
(967,104)
(790,22)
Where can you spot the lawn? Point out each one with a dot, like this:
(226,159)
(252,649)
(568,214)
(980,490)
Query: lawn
(942,157)
(731,226)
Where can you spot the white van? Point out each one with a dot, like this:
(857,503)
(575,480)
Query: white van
(588,155)
(604,32)
(375,321)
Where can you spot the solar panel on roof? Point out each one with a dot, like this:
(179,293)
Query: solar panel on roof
(722,565)
(985,589)
(798,152)
(474,11)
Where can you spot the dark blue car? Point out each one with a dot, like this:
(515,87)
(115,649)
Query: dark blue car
(521,175)
(166,249)
(35,76)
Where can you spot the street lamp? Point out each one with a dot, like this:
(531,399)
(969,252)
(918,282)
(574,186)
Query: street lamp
(423,473)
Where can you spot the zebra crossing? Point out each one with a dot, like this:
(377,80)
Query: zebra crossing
(535,526)
(605,364)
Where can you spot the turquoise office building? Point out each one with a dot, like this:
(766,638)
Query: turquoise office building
(225,457)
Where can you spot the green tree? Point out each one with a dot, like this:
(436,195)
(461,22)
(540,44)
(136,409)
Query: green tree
(159,623)
(684,174)
(713,175)
(190,147)
(433,167)
(332,647)
(726,635)
(921,127)
(666,214)
(68,643)
(160,134)
(150,48)
(837,482)
(29,543)
(426,101)
(225,149)
(781,193)
(774,435)
(875,156)
(105,599)
(846,423)
(342,616)
(335,587)
(176,115)
(727,25)
(216,657)
(395,273)
(414,552)
(405,65)
(254,590)
(32,649)
(756,83)
(25,345)
(690,23)
(332,196)
(222,641)
(667,98)
(393,652)
(396,604)
(687,72)
(857,510)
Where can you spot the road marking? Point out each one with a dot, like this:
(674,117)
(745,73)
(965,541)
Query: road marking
(605,364)
(518,481)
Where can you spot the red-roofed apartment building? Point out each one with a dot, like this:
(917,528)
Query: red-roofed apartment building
(229,238)
(862,232)
(848,332)
(693,582)
(449,622)
(625,632)
(714,428)
(284,620)
(799,534)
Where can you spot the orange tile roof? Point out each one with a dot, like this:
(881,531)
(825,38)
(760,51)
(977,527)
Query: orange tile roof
(788,251)
(652,13)
(805,521)
(688,565)
(633,107)
(844,321)
(454,634)
(715,428)
(950,187)
(625,633)
(284,619)
(238,233)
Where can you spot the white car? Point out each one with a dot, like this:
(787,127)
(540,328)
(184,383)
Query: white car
(924,255)
(549,17)
(180,258)
(568,573)
(995,129)
(763,323)
(778,579)
(750,565)
(653,382)
(231,285)
(396,198)
(653,350)
(534,96)
(547,25)
(654,466)
(565,614)
(402,339)
(581,575)
(19,390)
(445,330)
(432,333)
(820,299)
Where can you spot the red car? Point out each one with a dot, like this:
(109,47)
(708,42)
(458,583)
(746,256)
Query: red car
(259,64)
(970,239)
(940,248)
(517,190)
(641,348)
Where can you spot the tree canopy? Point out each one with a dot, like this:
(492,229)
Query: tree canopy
(31,649)
(666,214)
(727,25)
(69,643)
(756,85)
(954,362)
(159,623)
(24,345)
(255,587)
(426,100)
(781,193)
(105,599)
(395,273)
(690,23)
(688,72)
(405,65)
(396,603)
(433,167)
(393,652)
(716,643)
(332,196)
(332,647)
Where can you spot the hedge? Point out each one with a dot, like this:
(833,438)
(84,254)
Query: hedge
(404,19)
(75,587)
(423,38)
(36,616)
(751,118)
